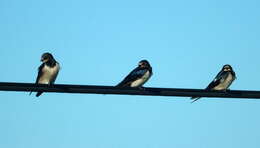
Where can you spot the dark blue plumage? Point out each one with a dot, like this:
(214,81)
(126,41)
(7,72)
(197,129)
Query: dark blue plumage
(222,81)
(138,76)
(48,71)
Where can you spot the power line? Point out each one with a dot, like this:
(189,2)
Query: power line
(147,91)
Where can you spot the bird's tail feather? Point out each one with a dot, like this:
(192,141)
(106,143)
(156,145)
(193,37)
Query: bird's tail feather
(39,93)
(194,99)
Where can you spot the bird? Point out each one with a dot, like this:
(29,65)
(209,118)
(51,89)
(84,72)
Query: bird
(47,71)
(222,81)
(137,77)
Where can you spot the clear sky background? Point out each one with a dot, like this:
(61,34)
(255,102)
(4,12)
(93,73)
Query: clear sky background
(99,42)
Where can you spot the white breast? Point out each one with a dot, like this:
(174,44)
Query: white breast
(49,74)
(142,80)
(225,84)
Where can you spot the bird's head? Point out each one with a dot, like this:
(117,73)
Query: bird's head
(144,64)
(46,57)
(227,68)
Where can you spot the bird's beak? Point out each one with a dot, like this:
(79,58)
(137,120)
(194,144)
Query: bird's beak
(42,59)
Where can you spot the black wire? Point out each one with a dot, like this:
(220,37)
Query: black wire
(147,91)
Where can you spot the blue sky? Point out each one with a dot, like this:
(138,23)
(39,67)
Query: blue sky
(99,42)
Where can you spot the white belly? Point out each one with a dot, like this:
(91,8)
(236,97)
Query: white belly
(142,80)
(49,74)
(225,84)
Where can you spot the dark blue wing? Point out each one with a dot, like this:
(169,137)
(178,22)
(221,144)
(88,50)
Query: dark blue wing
(39,73)
(132,76)
(38,77)
(220,76)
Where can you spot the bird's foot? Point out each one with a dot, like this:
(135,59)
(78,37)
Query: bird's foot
(141,88)
(50,85)
(227,90)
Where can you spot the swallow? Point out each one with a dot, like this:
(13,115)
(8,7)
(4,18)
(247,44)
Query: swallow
(138,76)
(48,71)
(222,81)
